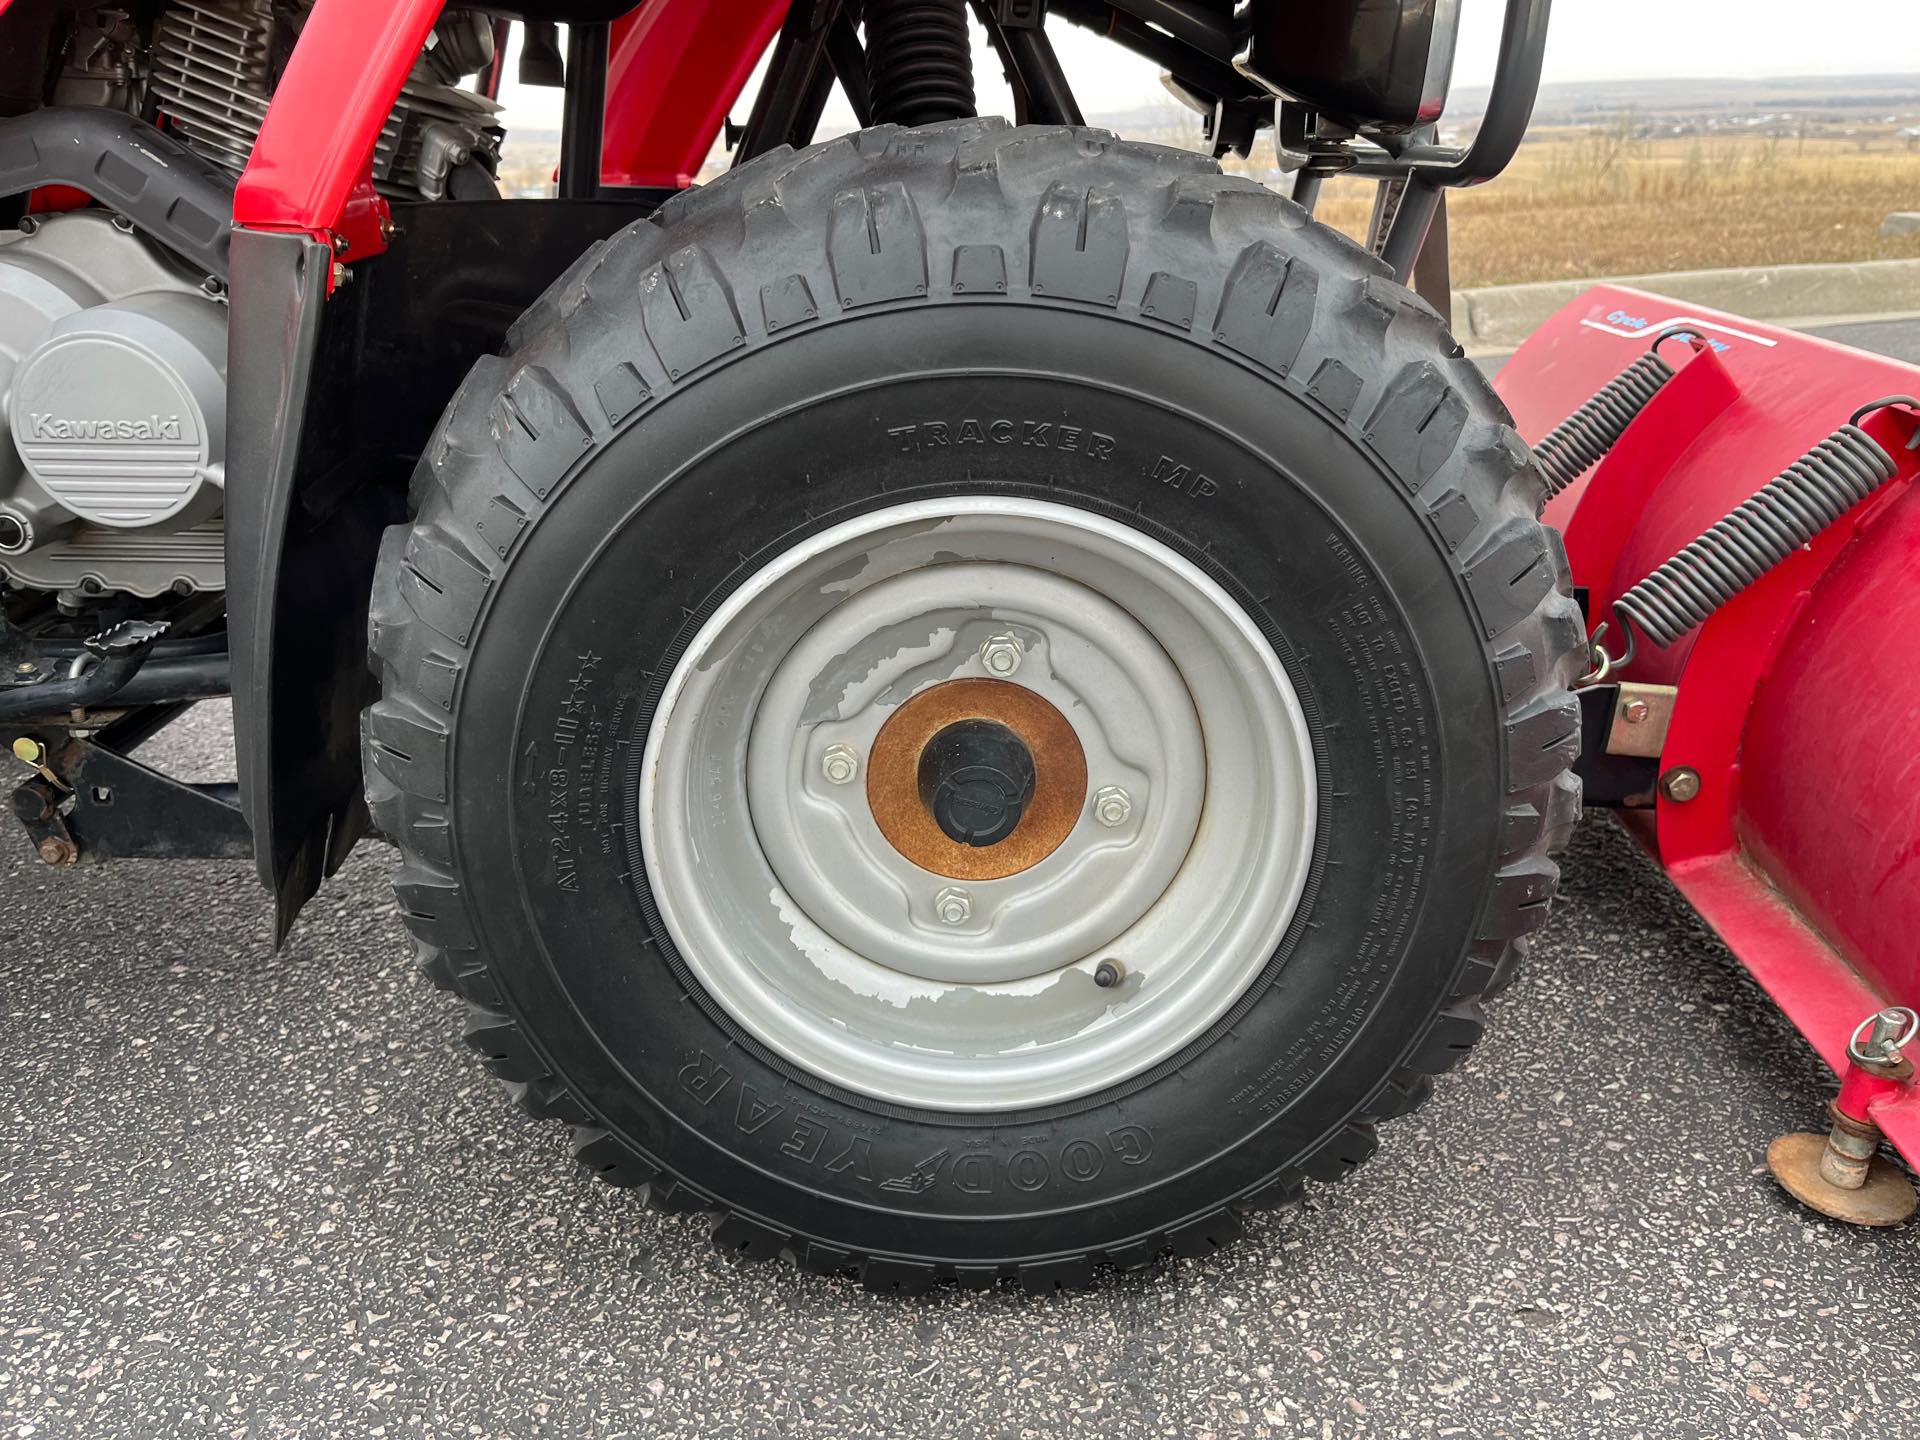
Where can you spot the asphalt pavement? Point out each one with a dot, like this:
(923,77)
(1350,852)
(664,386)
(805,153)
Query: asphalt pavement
(264,1195)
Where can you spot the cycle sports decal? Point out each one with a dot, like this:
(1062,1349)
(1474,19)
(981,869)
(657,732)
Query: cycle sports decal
(1632,327)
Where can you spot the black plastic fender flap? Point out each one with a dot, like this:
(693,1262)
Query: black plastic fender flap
(296,587)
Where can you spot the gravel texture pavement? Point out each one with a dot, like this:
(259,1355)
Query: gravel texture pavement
(249,1194)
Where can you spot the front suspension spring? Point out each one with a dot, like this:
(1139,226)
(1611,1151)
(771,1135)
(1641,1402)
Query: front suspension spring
(919,61)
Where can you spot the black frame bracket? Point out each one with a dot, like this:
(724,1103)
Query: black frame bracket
(91,803)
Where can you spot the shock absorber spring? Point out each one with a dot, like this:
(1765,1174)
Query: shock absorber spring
(1760,532)
(919,61)
(1582,440)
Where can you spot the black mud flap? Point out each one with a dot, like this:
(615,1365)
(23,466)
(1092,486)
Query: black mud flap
(330,400)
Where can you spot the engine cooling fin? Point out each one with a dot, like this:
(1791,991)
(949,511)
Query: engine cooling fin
(213,73)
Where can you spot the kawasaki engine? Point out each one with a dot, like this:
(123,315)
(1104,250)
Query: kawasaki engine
(113,362)
(113,350)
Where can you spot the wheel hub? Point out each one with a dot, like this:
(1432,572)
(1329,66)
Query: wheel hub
(922,777)
(976,779)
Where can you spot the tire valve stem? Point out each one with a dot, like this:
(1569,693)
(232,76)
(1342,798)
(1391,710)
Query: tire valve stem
(1109,973)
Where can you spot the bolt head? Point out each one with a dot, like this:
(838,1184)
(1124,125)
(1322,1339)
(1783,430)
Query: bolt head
(1680,784)
(1112,806)
(839,764)
(1635,712)
(55,851)
(1000,655)
(953,905)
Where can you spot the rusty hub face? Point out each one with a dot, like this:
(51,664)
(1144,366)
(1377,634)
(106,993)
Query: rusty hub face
(907,807)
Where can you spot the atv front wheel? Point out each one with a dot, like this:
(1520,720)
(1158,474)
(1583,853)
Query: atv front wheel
(975,700)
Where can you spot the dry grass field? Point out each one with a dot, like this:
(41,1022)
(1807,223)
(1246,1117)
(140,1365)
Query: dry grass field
(1602,198)
(1597,201)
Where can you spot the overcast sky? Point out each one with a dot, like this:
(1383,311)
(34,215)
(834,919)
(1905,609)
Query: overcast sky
(1589,40)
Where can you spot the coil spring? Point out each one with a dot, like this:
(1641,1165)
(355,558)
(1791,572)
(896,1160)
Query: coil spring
(1580,441)
(1758,534)
(919,61)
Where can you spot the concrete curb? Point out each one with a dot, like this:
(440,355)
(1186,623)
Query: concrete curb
(1496,319)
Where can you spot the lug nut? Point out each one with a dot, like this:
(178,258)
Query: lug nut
(840,763)
(1000,654)
(1112,806)
(953,905)
(1680,784)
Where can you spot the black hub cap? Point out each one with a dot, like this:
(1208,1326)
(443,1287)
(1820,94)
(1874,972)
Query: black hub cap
(976,778)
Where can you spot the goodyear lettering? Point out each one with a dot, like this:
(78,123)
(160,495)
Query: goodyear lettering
(1033,1167)
(704,1078)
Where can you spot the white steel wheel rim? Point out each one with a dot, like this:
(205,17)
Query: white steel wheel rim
(804,923)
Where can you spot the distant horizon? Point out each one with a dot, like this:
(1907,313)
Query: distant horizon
(1474,95)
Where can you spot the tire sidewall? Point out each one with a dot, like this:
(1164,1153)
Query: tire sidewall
(658,523)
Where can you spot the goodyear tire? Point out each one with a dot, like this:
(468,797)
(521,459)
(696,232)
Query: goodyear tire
(1246,794)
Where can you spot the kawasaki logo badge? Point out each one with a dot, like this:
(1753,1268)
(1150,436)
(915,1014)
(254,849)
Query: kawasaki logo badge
(151,427)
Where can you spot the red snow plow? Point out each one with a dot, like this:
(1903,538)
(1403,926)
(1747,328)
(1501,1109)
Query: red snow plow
(976,699)
(1764,750)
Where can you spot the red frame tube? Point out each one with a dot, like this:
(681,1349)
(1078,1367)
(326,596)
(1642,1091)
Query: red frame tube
(676,67)
(316,143)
